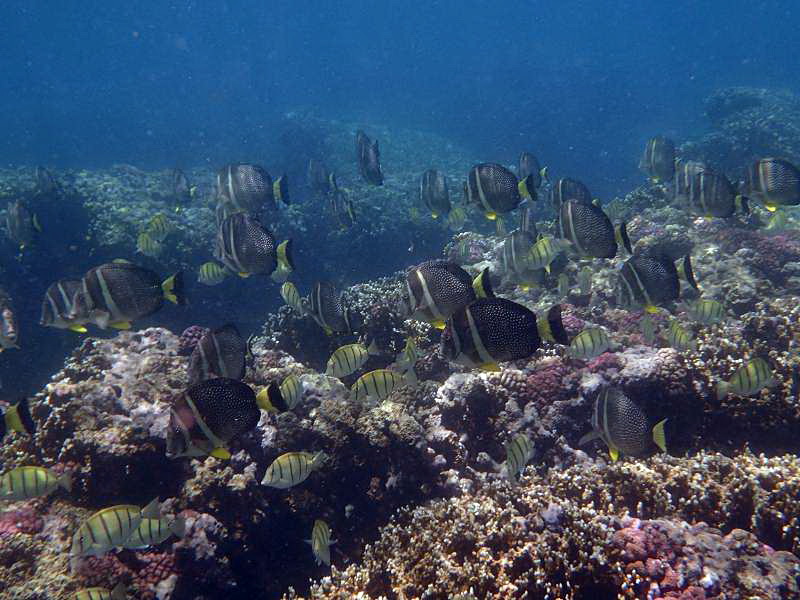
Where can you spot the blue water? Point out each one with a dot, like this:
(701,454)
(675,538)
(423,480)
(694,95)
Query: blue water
(582,84)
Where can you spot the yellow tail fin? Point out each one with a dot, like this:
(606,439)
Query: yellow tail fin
(658,436)
(221,453)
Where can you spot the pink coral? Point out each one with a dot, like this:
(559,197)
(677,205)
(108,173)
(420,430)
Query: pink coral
(768,253)
(607,360)
(545,385)
(143,570)
(24,520)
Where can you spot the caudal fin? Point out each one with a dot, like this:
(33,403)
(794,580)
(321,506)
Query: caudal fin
(285,255)
(658,436)
(527,188)
(281,189)
(173,289)
(18,418)
(687,272)
(65,481)
(552,328)
(482,284)
(622,237)
(178,527)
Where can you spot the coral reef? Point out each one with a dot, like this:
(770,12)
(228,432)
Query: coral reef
(414,487)
(588,532)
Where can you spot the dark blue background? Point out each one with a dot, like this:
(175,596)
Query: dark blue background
(583,84)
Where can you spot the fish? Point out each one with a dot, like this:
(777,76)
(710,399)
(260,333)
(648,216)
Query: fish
(280,189)
(159,227)
(320,179)
(589,343)
(148,246)
(747,380)
(9,330)
(433,193)
(623,426)
(495,190)
(17,417)
(585,276)
(456,218)
(435,289)
(516,255)
(155,530)
(369,159)
(107,529)
(658,160)
(648,327)
(680,338)
(342,208)
(117,293)
(24,483)
(219,353)
(408,356)
(245,187)
(245,247)
(648,281)
(774,182)
(685,172)
(46,182)
(346,360)
(377,385)
(281,398)
(527,221)
(528,164)
(292,468)
(328,310)
(59,303)
(563,285)
(22,225)
(321,542)
(212,273)
(492,330)
(292,298)
(120,592)
(569,189)
(544,252)
(706,311)
(589,230)
(206,417)
(713,195)
(181,190)
(518,452)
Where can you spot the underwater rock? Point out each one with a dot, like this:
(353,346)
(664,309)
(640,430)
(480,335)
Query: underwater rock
(748,123)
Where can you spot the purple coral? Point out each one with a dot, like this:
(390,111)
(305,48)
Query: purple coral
(24,520)
(189,339)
